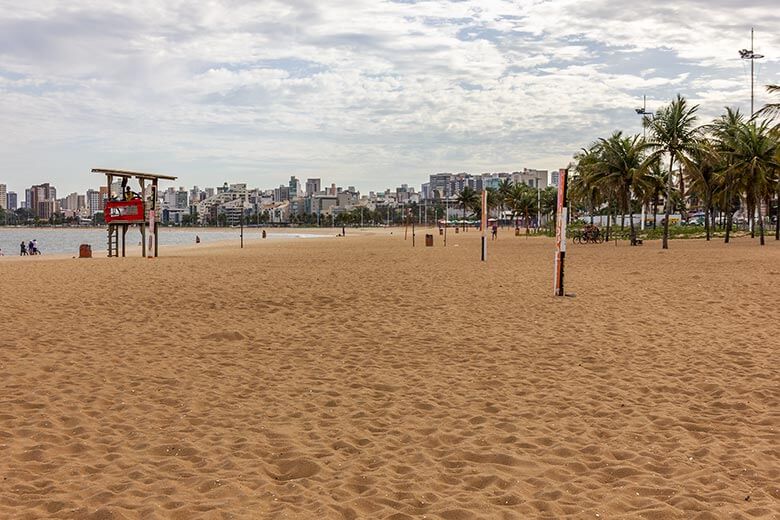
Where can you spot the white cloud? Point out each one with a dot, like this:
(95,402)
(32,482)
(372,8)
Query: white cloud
(359,91)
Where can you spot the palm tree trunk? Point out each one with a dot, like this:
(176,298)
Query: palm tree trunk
(729,217)
(655,207)
(707,218)
(668,209)
(751,220)
(760,224)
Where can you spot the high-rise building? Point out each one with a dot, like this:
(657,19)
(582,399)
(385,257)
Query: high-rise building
(12,201)
(93,201)
(71,202)
(313,186)
(295,187)
(281,193)
(42,200)
(182,198)
(3,197)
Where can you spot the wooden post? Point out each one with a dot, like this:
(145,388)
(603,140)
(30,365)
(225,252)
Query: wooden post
(143,224)
(560,233)
(124,232)
(153,220)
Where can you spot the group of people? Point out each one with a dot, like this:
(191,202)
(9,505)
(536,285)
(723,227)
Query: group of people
(29,249)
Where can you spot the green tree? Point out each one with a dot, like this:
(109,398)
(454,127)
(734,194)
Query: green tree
(504,192)
(621,165)
(702,166)
(522,202)
(466,200)
(724,131)
(755,158)
(673,131)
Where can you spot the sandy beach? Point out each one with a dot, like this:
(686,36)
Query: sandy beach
(359,377)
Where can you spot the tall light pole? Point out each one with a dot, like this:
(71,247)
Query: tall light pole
(748,54)
(645,114)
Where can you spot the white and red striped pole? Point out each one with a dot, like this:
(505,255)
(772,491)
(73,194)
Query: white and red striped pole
(560,232)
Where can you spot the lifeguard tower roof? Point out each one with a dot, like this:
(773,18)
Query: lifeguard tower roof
(139,175)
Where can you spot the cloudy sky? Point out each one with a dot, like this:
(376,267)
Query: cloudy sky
(369,93)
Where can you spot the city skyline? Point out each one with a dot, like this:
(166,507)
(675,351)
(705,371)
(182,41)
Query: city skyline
(371,94)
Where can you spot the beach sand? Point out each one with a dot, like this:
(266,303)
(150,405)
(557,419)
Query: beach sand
(359,377)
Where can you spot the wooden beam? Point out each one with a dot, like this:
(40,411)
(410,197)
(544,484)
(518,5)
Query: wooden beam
(127,173)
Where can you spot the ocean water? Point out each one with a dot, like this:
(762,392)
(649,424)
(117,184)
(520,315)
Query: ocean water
(67,240)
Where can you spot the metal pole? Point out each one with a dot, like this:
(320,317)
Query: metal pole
(242,225)
(752,61)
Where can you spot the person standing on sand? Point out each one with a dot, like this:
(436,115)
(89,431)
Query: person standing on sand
(23,249)
(494,232)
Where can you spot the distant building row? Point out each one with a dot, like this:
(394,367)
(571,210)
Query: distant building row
(225,204)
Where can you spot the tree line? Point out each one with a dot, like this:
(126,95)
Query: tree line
(718,167)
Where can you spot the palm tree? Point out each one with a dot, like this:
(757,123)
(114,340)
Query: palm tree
(622,166)
(466,199)
(673,132)
(584,187)
(493,199)
(702,167)
(504,190)
(755,157)
(549,202)
(656,179)
(725,130)
(522,201)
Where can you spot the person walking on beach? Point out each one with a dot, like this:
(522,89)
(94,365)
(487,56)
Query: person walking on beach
(494,231)
(23,249)
(35,246)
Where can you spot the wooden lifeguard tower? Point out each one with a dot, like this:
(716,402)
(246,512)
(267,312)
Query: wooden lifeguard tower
(130,208)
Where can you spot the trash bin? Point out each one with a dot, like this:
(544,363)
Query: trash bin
(517,232)
(264,233)
(456,230)
(428,240)
(441,231)
(85,251)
